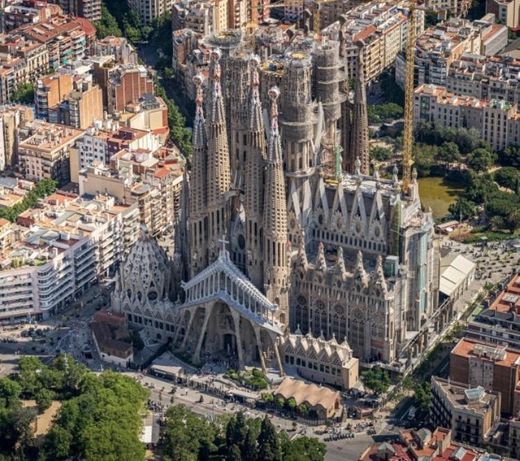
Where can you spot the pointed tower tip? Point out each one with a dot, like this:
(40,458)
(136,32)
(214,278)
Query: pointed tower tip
(255,106)
(198,81)
(198,125)
(214,68)
(274,93)
(275,148)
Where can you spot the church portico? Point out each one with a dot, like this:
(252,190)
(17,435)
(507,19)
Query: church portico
(229,318)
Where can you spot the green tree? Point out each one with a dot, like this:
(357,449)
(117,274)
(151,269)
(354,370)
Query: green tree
(510,156)
(449,152)
(480,160)
(303,409)
(501,204)
(185,434)
(28,375)
(513,220)
(462,208)
(10,392)
(234,453)
(507,177)
(57,443)
(44,399)
(380,153)
(236,430)
(291,403)
(424,158)
(376,379)
(280,402)
(15,430)
(303,449)
(268,442)
(496,223)
(249,446)
(423,395)
(480,188)
(384,112)
(24,93)
(108,25)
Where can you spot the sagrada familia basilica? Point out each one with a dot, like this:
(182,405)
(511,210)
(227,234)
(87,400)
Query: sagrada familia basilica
(291,248)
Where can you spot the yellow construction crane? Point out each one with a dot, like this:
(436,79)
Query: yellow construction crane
(408,100)
(317,17)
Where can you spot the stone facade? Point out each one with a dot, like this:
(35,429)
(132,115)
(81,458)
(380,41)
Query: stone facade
(326,362)
(274,241)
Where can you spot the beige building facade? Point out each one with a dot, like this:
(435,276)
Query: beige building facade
(45,154)
(498,122)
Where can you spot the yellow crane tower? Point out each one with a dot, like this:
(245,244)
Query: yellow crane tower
(408,100)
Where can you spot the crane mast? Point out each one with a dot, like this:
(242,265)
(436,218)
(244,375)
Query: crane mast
(408,100)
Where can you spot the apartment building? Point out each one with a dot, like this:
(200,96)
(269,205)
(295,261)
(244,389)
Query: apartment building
(90,9)
(332,10)
(495,368)
(117,47)
(16,13)
(293,10)
(98,145)
(50,91)
(499,322)
(506,11)
(13,190)
(126,84)
(424,445)
(152,180)
(149,114)
(45,153)
(67,39)
(80,108)
(485,77)
(457,8)
(61,249)
(440,46)
(21,61)
(34,56)
(498,122)
(148,10)
(469,412)
(203,17)
(11,119)
(379,31)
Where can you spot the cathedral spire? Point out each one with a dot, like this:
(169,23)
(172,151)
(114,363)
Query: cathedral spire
(199,131)
(219,179)
(359,138)
(198,187)
(254,178)
(276,269)
(275,146)
(256,120)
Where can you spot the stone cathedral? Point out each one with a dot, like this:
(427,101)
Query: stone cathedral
(286,229)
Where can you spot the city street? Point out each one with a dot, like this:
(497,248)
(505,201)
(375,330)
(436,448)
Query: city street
(212,407)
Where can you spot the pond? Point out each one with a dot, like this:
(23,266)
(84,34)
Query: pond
(438,194)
